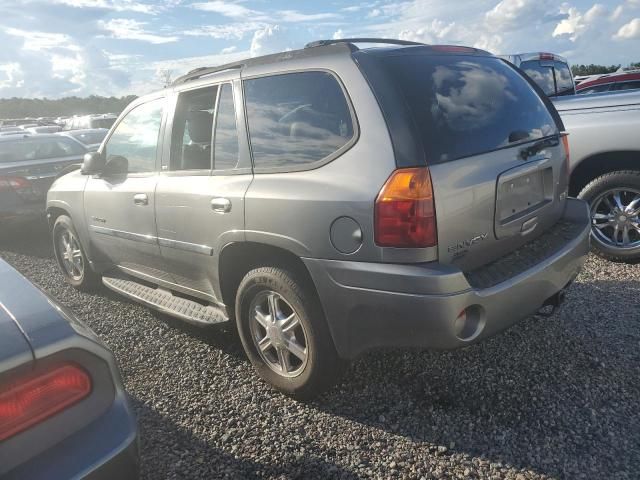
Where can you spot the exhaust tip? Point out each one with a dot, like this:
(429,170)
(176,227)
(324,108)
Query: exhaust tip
(470,323)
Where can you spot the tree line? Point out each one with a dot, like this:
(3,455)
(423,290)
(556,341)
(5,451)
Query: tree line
(599,69)
(62,107)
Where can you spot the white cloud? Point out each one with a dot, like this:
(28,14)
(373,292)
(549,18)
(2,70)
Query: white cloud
(295,16)
(270,39)
(11,75)
(230,31)
(115,5)
(37,41)
(435,32)
(514,14)
(629,30)
(228,9)
(129,29)
(577,23)
(338,34)
(231,49)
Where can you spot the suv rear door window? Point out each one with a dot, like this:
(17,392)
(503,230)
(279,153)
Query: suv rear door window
(468,105)
(225,155)
(296,118)
(193,130)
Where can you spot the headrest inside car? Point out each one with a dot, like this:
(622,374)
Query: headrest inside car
(199,125)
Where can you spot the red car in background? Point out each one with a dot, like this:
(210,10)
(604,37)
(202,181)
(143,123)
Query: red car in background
(610,82)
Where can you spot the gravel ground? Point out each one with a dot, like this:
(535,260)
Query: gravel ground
(551,398)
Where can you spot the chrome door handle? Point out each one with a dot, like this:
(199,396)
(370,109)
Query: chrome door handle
(141,199)
(221,205)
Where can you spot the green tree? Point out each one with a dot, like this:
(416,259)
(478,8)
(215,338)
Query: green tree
(593,69)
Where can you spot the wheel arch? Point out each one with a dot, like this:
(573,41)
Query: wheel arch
(237,259)
(598,164)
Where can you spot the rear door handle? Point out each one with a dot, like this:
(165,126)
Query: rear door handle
(221,205)
(141,199)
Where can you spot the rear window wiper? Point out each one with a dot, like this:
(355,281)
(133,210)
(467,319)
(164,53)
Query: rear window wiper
(531,150)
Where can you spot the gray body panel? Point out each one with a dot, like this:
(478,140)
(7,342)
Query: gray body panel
(600,123)
(96,437)
(308,211)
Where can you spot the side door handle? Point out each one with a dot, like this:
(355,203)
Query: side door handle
(221,205)
(141,199)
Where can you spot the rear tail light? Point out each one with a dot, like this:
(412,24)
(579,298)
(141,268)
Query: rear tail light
(14,183)
(546,56)
(26,403)
(405,215)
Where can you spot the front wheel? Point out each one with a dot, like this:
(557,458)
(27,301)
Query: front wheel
(71,258)
(284,333)
(614,199)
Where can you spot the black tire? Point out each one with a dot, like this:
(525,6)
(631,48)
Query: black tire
(595,190)
(85,279)
(322,368)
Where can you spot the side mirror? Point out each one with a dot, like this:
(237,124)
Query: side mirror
(93,163)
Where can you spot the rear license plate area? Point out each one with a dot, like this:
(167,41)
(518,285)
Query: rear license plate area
(521,195)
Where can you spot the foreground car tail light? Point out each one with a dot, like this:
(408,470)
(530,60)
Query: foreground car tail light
(14,183)
(28,402)
(405,215)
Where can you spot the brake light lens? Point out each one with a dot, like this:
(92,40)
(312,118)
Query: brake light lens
(14,183)
(405,214)
(452,49)
(26,403)
(546,56)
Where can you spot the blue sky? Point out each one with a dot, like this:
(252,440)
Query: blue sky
(57,48)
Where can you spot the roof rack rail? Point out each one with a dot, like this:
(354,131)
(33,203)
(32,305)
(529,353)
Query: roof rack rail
(388,41)
(202,71)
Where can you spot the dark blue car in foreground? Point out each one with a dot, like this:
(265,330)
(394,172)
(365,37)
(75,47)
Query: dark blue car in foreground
(63,409)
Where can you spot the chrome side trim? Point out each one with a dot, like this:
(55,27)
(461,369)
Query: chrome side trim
(186,246)
(136,237)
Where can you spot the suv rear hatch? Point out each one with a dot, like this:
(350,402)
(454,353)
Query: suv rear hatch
(491,141)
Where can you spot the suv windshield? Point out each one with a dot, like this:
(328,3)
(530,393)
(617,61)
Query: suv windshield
(468,105)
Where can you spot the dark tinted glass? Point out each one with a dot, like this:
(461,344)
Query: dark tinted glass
(542,75)
(297,118)
(226,137)
(465,106)
(628,85)
(193,130)
(564,81)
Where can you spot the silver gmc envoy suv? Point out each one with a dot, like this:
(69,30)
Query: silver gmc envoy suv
(332,200)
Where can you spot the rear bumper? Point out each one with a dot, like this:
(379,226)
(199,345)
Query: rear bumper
(371,305)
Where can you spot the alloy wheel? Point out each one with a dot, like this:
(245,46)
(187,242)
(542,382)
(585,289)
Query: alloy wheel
(615,218)
(70,254)
(278,334)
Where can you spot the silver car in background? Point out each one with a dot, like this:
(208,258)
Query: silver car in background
(331,200)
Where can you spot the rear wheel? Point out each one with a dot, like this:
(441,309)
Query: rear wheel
(71,257)
(284,333)
(614,199)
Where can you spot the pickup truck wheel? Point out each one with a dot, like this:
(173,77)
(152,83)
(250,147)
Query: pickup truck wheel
(614,199)
(284,333)
(71,257)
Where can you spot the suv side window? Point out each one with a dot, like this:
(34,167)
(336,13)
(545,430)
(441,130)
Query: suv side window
(136,137)
(193,129)
(296,119)
(225,155)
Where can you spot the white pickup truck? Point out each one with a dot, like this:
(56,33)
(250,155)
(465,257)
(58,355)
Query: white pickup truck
(604,137)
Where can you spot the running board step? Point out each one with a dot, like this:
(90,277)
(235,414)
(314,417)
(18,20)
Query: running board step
(165,302)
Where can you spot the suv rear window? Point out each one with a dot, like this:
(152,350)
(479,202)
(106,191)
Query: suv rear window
(553,77)
(296,118)
(468,105)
